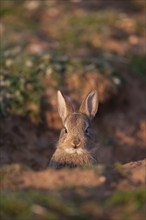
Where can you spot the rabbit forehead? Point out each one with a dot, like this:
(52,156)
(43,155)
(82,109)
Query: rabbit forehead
(77,120)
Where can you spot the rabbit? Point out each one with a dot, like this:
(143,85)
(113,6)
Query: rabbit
(76,137)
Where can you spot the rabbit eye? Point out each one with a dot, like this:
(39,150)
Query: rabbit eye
(87,131)
(65,130)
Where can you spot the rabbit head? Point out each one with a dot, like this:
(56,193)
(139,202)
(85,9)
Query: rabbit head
(76,137)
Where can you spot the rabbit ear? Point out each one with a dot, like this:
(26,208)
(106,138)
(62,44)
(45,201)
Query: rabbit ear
(89,105)
(64,106)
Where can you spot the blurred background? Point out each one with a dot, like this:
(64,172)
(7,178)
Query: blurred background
(74,46)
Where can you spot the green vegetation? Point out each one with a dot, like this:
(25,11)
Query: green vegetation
(138,65)
(119,168)
(82,30)
(27,204)
(21,85)
(12,207)
(136,197)
(132,203)
(24,78)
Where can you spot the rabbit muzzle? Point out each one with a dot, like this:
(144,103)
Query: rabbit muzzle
(76,143)
(73,150)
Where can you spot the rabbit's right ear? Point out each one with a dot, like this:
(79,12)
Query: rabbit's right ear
(89,105)
(65,107)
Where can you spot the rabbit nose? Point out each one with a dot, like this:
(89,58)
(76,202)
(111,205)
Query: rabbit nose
(76,143)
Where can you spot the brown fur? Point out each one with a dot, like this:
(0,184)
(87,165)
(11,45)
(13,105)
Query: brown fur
(76,137)
(61,159)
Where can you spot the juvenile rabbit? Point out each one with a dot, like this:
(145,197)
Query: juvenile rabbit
(76,138)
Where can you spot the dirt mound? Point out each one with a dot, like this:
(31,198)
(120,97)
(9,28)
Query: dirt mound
(131,175)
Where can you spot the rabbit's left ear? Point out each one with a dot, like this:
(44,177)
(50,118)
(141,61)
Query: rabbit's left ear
(89,105)
(65,106)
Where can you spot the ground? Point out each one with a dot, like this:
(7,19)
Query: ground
(73,47)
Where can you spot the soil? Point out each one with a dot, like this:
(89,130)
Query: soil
(119,126)
(130,175)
